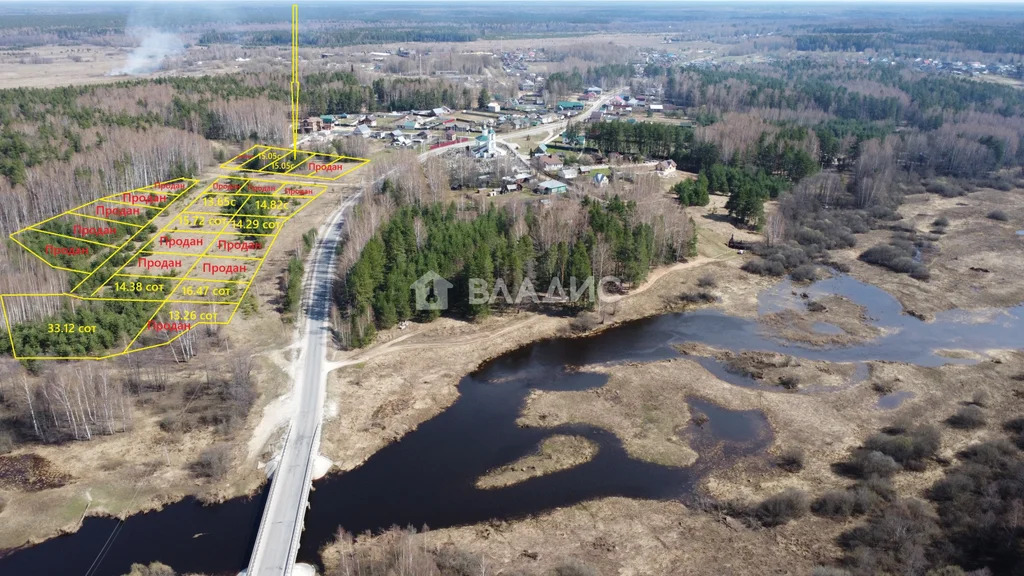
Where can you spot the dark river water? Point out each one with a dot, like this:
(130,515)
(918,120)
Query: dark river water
(428,477)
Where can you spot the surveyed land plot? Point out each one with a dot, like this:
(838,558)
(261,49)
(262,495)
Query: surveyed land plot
(298,163)
(83,239)
(90,329)
(150,264)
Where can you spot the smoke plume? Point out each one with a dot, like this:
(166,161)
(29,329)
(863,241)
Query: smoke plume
(153,51)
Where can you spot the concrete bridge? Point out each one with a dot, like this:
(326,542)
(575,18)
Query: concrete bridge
(277,543)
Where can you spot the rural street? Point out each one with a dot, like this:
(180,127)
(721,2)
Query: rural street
(277,543)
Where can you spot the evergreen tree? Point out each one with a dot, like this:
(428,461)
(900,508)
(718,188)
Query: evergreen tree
(579,273)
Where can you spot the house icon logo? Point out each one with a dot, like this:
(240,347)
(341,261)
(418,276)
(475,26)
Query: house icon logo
(431,291)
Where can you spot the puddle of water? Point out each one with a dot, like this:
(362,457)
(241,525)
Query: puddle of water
(893,400)
(1020,232)
(746,430)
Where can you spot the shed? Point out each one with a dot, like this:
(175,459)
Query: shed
(551,187)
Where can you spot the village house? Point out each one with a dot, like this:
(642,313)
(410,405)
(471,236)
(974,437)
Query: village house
(493,107)
(548,163)
(551,187)
(665,167)
(311,124)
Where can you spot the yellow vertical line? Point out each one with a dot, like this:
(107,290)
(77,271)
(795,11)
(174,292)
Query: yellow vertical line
(300,164)
(185,276)
(295,78)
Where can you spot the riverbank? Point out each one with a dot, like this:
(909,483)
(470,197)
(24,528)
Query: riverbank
(179,412)
(831,409)
(383,392)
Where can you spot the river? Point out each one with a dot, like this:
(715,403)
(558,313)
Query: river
(427,478)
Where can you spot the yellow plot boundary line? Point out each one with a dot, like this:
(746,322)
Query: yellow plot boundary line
(80,206)
(44,260)
(331,158)
(137,232)
(178,285)
(30,229)
(142,206)
(141,248)
(300,164)
(182,278)
(247,284)
(286,216)
(10,326)
(206,256)
(91,217)
(331,163)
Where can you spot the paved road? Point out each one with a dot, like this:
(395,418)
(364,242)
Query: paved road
(278,540)
(277,543)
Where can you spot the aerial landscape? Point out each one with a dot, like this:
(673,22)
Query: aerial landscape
(447,288)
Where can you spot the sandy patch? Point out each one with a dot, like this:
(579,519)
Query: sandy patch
(555,453)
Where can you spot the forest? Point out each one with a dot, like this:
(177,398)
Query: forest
(339,37)
(990,39)
(498,247)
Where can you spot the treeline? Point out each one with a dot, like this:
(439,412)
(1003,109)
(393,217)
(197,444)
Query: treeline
(839,42)
(941,125)
(71,120)
(340,37)
(341,92)
(754,176)
(991,40)
(293,275)
(116,322)
(506,252)
(70,403)
(792,91)
(798,85)
(643,140)
(576,81)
